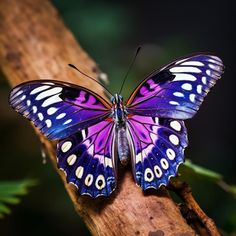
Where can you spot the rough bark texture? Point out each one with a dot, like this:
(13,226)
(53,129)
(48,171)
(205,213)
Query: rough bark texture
(35,44)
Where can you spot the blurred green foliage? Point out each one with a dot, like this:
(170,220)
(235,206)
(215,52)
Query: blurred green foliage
(10,193)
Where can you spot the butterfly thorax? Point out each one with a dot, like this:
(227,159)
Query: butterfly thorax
(119,115)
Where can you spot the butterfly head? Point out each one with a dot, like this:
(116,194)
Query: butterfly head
(118,108)
(117,100)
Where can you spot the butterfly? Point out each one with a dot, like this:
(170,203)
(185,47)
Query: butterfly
(93,134)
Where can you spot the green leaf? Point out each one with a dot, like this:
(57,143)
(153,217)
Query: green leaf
(191,168)
(10,192)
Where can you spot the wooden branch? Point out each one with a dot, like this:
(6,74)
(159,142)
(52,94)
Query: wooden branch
(184,191)
(35,44)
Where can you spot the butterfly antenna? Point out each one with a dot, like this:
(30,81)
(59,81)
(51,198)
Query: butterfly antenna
(130,67)
(74,67)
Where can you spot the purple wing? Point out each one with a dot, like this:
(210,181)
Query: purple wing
(157,149)
(58,109)
(177,90)
(87,159)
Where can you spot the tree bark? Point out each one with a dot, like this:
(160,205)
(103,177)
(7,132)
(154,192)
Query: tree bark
(35,44)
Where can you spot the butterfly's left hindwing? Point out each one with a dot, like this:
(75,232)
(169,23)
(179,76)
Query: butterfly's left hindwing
(157,149)
(58,109)
(87,159)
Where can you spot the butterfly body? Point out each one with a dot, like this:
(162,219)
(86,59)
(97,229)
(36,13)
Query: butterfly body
(119,115)
(148,129)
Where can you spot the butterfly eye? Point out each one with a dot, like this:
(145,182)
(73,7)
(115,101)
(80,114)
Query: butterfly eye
(112,100)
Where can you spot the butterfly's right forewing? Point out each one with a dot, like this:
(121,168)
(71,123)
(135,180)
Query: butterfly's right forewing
(58,109)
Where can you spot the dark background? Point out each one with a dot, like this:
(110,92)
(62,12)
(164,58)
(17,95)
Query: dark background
(110,32)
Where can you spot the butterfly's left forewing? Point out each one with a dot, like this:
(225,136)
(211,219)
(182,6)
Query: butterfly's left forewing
(157,149)
(177,90)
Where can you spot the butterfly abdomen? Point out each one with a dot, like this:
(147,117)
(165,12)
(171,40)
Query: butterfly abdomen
(123,147)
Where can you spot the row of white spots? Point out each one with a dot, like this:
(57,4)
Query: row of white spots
(100,182)
(149,175)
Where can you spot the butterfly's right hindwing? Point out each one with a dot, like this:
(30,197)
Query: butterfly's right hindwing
(87,158)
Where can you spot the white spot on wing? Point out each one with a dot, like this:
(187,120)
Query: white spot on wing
(23,97)
(199,88)
(185,69)
(108,162)
(170,154)
(40,116)
(164,163)
(51,100)
(65,147)
(48,93)
(88,180)
(28,102)
(181,77)
(100,182)
(83,134)
(51,110)
(204,80)
(178,94)
(175,125)
(34,109)
(79,172)
(173,103)
(48,123)
(39,89)
(174,139)
(157,171)
(208,72)
(60,116)
(18,93)
(192,97)
(192,63)
(186,86)
(71,159)
(156,120)
(148,175)
(67,122)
